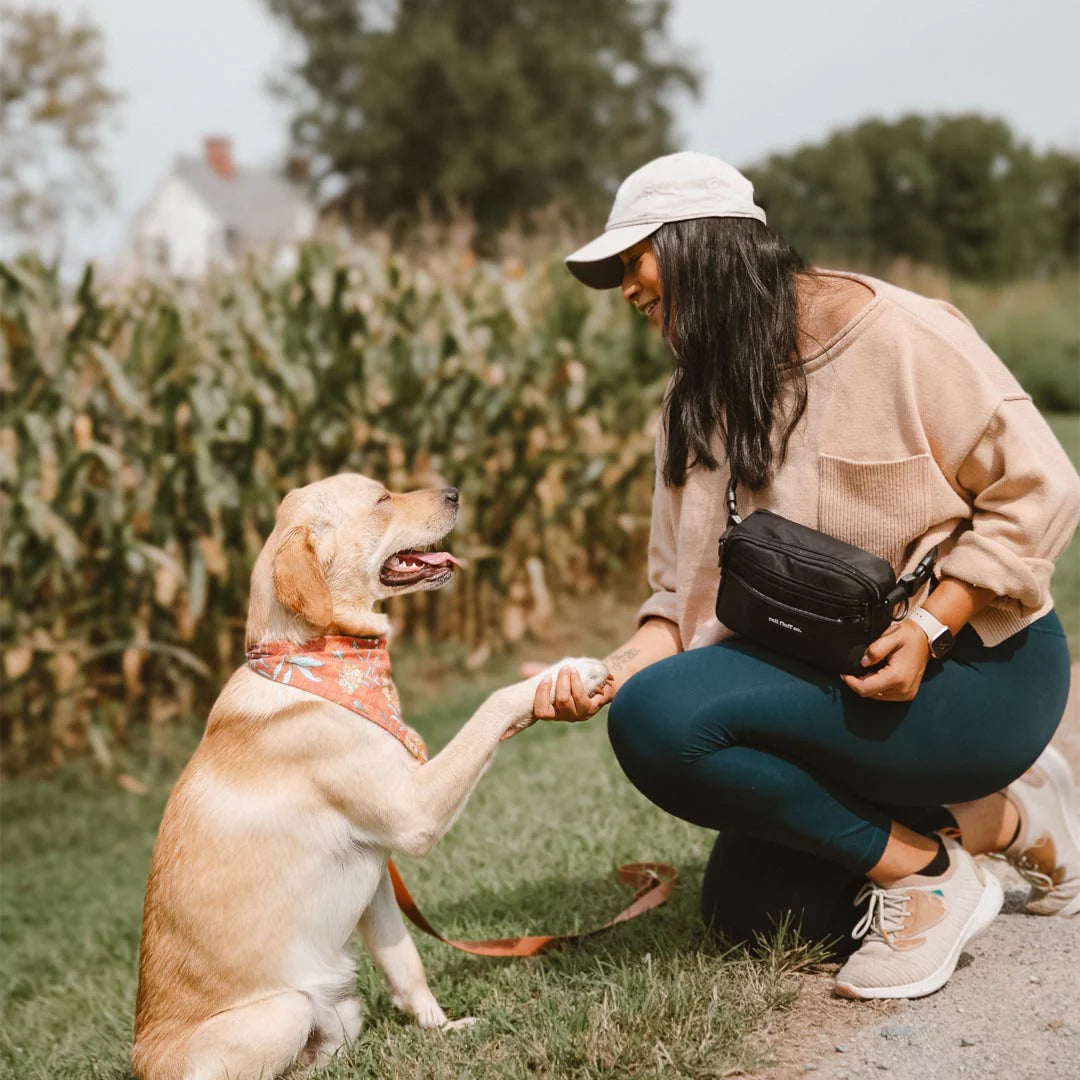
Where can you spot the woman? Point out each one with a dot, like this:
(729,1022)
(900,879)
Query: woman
(881,418)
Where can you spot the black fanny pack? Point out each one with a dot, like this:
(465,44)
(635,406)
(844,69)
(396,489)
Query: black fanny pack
(805,594)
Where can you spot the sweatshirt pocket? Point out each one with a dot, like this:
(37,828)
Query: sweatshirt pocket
(880,506)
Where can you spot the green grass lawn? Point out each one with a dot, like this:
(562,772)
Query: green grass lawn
(533,852)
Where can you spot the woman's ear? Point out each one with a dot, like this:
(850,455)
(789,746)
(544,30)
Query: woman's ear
(298,580)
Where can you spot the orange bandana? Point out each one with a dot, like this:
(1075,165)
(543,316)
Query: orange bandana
(354,672)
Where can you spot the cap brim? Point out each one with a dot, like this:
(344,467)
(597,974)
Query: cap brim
(598,265)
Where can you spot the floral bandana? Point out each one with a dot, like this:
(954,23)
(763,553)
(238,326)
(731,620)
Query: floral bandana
(354,672)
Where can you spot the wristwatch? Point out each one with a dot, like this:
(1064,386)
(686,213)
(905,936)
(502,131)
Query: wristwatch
(937,633)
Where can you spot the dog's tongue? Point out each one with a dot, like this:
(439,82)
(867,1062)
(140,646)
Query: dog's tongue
(435,558)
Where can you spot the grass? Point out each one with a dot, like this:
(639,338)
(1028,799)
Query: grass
(534,851)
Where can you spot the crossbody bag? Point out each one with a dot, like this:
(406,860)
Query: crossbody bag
(805,594)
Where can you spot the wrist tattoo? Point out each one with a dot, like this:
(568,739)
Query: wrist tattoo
(620,659)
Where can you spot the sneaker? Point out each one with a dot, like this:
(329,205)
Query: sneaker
(1046,851)
(914,930)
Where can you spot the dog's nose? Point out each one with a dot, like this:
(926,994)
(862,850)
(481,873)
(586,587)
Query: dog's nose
(451,495)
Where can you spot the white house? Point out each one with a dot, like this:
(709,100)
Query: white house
(209,211)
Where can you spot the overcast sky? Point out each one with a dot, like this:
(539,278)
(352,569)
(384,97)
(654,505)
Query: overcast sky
(777,73)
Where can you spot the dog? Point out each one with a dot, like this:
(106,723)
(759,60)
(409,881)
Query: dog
(274,843)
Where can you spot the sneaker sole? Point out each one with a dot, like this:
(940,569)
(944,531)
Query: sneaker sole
(985,912)
(1064,787)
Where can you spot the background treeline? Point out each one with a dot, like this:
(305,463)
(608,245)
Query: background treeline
(494,113)
(959,192)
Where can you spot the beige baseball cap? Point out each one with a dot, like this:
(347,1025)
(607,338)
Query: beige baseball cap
(675,187)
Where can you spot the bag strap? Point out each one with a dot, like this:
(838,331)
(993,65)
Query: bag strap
(732,507)
(909,584)
(654,883)
(906,586)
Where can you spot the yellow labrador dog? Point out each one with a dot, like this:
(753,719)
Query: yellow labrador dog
(275,840)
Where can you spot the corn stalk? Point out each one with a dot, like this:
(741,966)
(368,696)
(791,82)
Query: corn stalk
(148,434)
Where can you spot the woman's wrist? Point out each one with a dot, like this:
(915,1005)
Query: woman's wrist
(656,639)
(954,603)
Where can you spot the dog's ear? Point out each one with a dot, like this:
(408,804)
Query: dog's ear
(298,580)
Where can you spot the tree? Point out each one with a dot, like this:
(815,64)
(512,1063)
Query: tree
(961,192)
(493,110)
(54,107)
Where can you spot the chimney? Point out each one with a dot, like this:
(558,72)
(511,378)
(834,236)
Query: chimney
(297,168)
(217,150)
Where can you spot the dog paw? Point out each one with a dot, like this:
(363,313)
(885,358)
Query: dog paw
(427,1012)
(593,673)
(459,1025)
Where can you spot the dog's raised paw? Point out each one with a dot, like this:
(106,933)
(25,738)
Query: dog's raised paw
(593,673)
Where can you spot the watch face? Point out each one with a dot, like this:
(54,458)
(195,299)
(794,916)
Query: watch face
(942,644)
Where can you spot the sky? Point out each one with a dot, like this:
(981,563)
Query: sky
(777,73)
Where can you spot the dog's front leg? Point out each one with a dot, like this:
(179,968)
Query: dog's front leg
(394,952)
(441,788)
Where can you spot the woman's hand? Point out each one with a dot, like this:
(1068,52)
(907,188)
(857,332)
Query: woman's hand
(654,640)
(570,703)
(905,650)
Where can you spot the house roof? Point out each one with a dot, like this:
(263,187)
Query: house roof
(258,203)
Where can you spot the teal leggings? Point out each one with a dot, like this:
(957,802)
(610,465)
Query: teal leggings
(803,777)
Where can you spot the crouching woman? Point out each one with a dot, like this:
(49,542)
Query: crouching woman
(880,417)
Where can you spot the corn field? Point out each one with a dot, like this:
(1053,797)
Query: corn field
(148,434)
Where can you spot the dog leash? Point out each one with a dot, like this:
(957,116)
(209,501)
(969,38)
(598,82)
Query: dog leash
(653,884)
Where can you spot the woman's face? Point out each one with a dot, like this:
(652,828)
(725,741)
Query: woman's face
(641,281)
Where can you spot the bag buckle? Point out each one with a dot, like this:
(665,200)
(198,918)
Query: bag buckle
(909,584)
(732,505)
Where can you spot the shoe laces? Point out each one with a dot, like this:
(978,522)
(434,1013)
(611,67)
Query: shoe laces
(885,913)
(1032,874)
(1040,881)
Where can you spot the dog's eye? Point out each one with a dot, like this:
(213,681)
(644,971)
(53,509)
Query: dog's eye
(385,498)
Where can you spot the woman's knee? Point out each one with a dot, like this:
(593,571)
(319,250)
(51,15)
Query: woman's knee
(640,728)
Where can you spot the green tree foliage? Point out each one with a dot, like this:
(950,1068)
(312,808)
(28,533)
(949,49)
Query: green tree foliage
(962,192)
(54,106)
(492,110)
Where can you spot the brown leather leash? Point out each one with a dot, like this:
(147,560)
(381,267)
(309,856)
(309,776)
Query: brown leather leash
(653,882)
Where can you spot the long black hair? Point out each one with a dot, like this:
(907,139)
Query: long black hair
(729,307)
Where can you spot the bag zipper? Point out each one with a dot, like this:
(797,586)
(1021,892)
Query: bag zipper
(819,558)
(854,621)
(806,588)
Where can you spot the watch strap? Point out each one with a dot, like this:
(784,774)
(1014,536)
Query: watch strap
(931,626)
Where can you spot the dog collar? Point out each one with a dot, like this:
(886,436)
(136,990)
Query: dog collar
(354,672)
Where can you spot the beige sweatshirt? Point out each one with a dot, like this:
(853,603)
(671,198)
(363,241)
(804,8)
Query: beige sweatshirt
(914,434)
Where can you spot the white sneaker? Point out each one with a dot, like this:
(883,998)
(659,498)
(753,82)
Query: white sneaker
(915,930)
(1046,851)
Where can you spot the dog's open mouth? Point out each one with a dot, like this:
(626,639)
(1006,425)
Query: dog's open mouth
(411,567)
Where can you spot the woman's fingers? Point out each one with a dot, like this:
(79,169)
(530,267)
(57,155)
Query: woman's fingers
(543,707)
(905,654)
(577,692)
(565,698)
(883,647)
(564,691)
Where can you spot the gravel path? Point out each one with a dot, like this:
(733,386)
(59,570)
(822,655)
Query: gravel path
(1010,1012)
